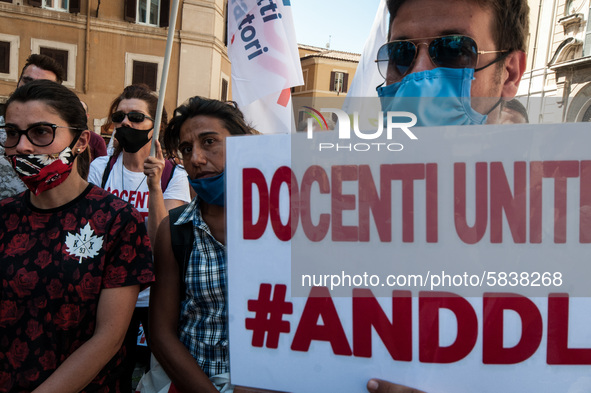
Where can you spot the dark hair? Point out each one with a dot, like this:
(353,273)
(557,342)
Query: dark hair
(46,63)
(63,101)
(510,21)
(142,92)
(66,105)
(227,112)
(518,107)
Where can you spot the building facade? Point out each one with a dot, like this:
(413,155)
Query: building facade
(107,45)
(327,73)
(557,82)
(327,77)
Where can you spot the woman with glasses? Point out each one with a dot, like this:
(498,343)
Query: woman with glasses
(73,256)
(153,185)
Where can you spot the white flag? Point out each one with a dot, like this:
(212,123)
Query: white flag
(265,61)
(367,77)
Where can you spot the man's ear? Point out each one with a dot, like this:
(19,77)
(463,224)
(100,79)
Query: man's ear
(82,143)
(514,68)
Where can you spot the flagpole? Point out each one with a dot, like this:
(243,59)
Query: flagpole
(164,79)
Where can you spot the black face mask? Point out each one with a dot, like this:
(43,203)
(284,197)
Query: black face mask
(131,139)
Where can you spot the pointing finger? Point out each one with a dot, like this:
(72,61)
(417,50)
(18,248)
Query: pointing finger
(159,154)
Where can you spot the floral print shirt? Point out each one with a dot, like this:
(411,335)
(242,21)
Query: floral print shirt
(53,266)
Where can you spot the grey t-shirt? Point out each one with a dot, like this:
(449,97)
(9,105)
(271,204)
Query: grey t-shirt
(10,184)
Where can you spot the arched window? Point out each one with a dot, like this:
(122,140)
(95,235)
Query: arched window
(587,115)
(569,9)
(587,47)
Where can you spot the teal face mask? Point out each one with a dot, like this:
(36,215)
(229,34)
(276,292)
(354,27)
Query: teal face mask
(438,97)
(211,189)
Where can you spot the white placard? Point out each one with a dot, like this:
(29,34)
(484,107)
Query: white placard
(530,185)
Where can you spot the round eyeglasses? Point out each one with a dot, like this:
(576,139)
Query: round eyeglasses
(40,134)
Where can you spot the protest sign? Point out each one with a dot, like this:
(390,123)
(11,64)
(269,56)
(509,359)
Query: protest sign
(456,261)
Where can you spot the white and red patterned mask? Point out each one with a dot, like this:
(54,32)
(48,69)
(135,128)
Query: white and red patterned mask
(41,172)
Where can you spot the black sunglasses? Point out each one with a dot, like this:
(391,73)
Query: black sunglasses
(134,117)
(40,134)
(396,58)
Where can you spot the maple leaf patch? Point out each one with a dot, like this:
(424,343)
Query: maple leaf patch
(85,244)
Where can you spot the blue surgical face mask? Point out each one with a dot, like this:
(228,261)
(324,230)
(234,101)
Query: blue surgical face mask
(211,189)
(438,97)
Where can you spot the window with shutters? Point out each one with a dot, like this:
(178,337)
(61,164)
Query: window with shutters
(57,5)
(9,45)
(339,81)
(60,56)
(147,12)
(4,57)
(65,54)
(145,72)
(224,93)
(143,69)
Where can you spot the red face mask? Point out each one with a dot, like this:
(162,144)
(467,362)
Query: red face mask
(41,172)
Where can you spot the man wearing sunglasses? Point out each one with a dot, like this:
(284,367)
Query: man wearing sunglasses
(462,57)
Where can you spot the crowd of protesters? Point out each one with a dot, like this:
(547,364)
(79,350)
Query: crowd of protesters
(77,232)
(78,239)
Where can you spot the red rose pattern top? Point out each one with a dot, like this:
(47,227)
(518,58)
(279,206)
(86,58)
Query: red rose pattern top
(53,265)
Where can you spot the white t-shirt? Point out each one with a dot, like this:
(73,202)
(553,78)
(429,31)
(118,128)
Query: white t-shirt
(133,188)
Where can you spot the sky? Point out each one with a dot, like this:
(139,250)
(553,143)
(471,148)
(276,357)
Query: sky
(347,22)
